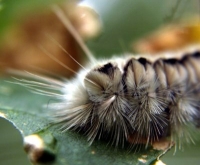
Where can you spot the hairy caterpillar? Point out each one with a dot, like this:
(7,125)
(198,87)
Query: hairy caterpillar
(129,99)
(132,98)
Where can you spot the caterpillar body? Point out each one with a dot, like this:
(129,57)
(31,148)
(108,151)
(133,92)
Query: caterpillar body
(130,99)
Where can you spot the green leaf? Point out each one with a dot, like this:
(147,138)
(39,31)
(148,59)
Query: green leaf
(25,110)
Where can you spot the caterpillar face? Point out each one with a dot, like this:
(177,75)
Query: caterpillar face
(133,100)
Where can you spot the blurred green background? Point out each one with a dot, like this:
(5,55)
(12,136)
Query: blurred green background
(123,22)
